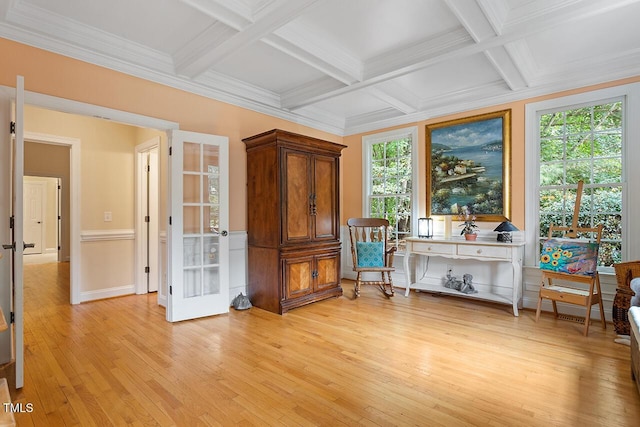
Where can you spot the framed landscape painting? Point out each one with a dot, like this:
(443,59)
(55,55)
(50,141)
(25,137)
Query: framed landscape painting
(469,166)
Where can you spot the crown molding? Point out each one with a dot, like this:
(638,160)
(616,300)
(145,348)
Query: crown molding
(72,33)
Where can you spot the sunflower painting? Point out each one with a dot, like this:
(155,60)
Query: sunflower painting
(569,256)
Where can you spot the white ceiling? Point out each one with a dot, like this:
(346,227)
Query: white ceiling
(344,66)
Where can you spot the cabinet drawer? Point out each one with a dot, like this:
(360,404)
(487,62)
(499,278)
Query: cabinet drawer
(434,248)
(484,251)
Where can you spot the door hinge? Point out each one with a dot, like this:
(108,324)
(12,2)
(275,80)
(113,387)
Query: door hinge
(12,318)
(170,290)
(11,222)
(170,150)
(146,269)
(59,247)
(12,128)
(148,168)
(147,219)
(169,220)
(59,217)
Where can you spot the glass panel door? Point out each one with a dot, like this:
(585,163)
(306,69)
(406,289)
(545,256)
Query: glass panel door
(198,237)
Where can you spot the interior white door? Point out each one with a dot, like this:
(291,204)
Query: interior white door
(198,237)
(17,245)
(154,214)
(33,195)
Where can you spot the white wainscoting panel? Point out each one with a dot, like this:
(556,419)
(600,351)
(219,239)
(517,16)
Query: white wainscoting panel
(237,264)
(107,268)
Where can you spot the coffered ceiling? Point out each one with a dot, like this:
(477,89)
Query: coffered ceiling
(344,66)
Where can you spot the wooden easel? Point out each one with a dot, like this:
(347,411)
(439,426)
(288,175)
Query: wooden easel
(572,231)
(568,294)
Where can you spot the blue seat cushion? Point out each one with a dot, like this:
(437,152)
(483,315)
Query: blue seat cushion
(370,254)
(569,256)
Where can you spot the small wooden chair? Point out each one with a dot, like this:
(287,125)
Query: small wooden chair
(370,251)
(580,271)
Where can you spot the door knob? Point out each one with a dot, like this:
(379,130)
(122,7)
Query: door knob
(224,232)
(11,246)
(28,245)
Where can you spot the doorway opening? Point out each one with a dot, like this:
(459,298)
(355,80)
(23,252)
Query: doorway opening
(148,259)
(42,219)
(83,238)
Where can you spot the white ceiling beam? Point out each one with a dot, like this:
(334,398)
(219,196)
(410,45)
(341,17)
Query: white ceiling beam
(231,13)
(293,39)
(496,13)
(299,97)
(452,45)
(472,17)
(551,13)
(484,19)
(505,66)
(315,51)
(217,51)
(395,96)
(523,59)
(386,67)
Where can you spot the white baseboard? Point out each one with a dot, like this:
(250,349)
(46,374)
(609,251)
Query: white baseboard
(86,296)
(40,258)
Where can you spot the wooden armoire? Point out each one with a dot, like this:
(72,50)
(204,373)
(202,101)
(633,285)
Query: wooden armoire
(293,220)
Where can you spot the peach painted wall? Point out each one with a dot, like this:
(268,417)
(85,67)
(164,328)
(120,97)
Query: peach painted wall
(56,75)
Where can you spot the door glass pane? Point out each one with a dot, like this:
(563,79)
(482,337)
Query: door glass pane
(191,220)
(191,157)
(210,252)
(211,220)
(210,158)
(211,283)
(211,191)
(191,188)
(192,283)
(191,251)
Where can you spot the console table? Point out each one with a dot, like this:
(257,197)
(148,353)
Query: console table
(508,255)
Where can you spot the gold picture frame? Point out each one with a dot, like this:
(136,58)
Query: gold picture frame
(469,165)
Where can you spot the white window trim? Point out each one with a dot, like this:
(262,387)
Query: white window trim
(630,95)
(367,143)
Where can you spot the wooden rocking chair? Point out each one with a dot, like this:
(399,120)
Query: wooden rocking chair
(370,252)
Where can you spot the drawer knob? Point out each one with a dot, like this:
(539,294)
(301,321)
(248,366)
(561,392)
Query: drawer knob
(479,251)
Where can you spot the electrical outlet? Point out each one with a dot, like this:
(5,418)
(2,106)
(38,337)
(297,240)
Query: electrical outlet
(107,217)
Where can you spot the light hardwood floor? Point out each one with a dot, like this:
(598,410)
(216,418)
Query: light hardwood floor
(423,360)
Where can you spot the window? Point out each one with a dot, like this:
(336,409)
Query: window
(583,143)
(390,180)
(585,137)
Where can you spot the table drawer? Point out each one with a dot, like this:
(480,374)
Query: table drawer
(430,248)
(484,251)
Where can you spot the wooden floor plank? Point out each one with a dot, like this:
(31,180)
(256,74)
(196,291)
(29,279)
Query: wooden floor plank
(371,361)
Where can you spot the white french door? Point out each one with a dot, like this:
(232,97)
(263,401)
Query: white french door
(198,267)
(15,248)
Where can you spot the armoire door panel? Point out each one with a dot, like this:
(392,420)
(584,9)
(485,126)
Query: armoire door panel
(325,197)
(297,198)
(328,268)
(298,277)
